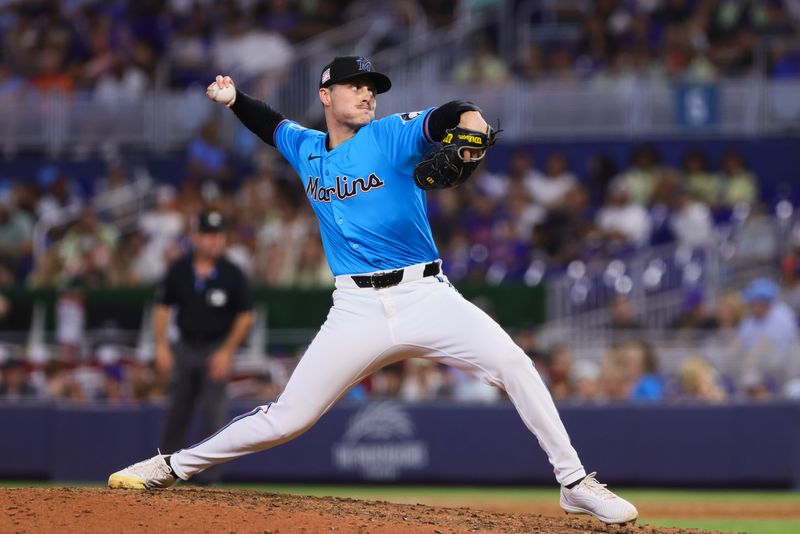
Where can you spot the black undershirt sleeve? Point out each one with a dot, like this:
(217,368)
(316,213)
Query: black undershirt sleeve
(446,116)
(257,116)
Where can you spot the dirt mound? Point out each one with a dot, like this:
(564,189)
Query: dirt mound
(67,510)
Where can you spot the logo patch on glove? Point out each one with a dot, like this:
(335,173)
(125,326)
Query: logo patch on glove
(445,167)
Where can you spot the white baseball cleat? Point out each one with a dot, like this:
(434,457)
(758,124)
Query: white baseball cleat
(591,497)
(154,473)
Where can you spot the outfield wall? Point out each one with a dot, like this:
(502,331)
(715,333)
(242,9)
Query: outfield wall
(738,445)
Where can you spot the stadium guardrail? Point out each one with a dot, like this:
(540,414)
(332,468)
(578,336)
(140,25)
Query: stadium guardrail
(168,120)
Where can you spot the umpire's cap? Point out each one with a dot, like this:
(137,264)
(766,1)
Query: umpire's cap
(343,68)
(210,222)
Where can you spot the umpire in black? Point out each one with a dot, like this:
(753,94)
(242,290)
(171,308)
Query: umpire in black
(213,304)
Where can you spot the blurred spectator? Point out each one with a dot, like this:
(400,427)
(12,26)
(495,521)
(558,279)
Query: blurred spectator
(584,377)
(60,201)
(531,66)
(86,250)
(16,234)
(523,214)
(122,84)
(690,220)
(602,169)
(737,184)
(280,242)
(240,47)
(525,338)
(467,388)
(621,220)
(116,195)
(188,49)
(10,83)
(790,280)
(557,371)
(730,311)
(644,173)
(52,75)
(699,381)
(768,339)
(48,270)
(563,232)
(551,189)
(312,266)
(614,380)
(387,382)
(623,314)
(15,384)
(597,44)
(482,66)
(207,158)
(241,249)
(694,314)
(561,66)
(161,228)
(422,381)
(701,183)
(771,19)
(784,61)
(646,383)
(126,262)
(520,170)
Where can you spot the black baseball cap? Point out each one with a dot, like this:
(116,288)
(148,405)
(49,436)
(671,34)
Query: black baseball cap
(209,222)
(343,68)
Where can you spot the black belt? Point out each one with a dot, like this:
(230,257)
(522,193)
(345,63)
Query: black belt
(392,278)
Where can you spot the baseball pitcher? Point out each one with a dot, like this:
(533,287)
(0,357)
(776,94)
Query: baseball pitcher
(366,181)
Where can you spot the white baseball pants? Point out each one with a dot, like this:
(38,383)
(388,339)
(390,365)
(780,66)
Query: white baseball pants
(367,329)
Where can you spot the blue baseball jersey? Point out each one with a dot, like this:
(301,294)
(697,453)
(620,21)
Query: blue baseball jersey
(372,216)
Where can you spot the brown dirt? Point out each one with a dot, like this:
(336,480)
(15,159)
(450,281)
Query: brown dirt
(68,510)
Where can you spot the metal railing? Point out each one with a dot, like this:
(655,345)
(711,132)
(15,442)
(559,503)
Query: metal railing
(166,121)
(655,280)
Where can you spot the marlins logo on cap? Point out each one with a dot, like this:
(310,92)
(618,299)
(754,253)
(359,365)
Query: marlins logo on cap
(326,75)
(364,65)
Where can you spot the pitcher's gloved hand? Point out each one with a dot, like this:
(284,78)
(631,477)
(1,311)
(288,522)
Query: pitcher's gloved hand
(457,157)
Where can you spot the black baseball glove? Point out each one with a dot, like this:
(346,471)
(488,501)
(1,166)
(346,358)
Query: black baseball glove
(445,166)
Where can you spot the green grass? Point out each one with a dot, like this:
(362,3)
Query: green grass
(521,493)
(751,526)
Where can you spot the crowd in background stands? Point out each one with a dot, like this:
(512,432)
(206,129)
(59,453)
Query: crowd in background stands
(491,229)
(120,49)
(745,348)
(692,40)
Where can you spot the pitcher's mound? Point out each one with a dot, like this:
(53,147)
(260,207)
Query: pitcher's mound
(68,510)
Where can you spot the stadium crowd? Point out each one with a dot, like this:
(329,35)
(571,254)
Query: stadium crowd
(746,347)
(492,229)
(121,49)
(617,40)
(539,210)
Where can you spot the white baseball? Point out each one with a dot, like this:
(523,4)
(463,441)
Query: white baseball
(223,95)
